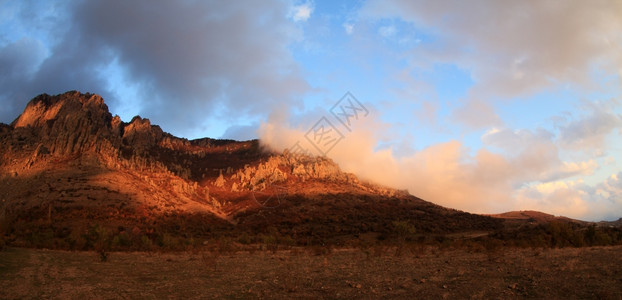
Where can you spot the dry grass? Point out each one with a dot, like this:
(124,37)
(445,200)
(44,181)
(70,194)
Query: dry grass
(562,273)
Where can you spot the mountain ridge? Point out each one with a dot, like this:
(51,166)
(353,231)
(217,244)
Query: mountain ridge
(68,163)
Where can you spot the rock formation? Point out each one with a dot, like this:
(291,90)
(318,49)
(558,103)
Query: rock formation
(66,158)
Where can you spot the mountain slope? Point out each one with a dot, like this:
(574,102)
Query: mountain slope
(66,162)
(533,217)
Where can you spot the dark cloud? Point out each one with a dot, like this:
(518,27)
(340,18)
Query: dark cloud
(49,58)
(189,60)
(18,62)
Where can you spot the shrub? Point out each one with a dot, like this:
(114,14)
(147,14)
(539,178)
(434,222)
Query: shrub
(562,234)
(76,240)
(98,238)
(167,241)
(6,220)
(103,255)
(244,239)
(403,230)
(190,242)
(271,241)
(42,238)
(146,243)
(602,239)
(122,240)
(287,241)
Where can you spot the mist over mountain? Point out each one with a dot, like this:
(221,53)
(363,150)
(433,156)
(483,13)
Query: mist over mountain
(68,162)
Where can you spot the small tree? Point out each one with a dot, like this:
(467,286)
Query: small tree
(403,231)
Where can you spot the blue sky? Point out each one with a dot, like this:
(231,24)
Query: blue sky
(484,106)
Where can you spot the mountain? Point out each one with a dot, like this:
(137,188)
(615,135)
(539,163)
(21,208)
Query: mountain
(67,164)
(616,223)
(533,217)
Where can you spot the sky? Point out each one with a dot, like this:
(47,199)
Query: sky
(483,106)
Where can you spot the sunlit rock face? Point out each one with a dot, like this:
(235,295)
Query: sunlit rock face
(67,123)
(66,160)
(75,122)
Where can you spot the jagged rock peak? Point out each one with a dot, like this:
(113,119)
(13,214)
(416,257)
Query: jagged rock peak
(44,108)
(74,122)
(139,132)
(71,122)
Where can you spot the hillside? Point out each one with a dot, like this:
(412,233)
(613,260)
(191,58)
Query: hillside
(533,217)
(68,165)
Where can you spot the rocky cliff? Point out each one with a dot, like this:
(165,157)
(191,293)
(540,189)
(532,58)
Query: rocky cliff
(66,160)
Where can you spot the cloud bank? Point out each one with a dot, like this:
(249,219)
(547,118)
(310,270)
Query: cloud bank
(187,61)
(530,175)
(515,48)
(511,50)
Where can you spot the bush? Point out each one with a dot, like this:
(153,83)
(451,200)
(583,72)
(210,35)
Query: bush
(103,255)
(287,241)
(564,234)
(42,238)
(403,230)
(98,238)
(190,242)
(76,240)
(6,220)
(602,239)
(122,241)
(167,241)
(146,243)
(271,241)
(244,239)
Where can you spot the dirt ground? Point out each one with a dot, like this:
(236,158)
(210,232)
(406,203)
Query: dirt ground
(570,273)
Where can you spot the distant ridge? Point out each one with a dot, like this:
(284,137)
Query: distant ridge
(617,223)
(532,216)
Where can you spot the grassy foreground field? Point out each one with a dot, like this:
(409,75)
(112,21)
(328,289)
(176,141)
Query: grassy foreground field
(569,273)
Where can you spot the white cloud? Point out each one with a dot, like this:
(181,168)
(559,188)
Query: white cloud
(574,199)
(302,12)
(515,48)
(610,161)
(511,48)
(387,31)
(349,28)
(530,175)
